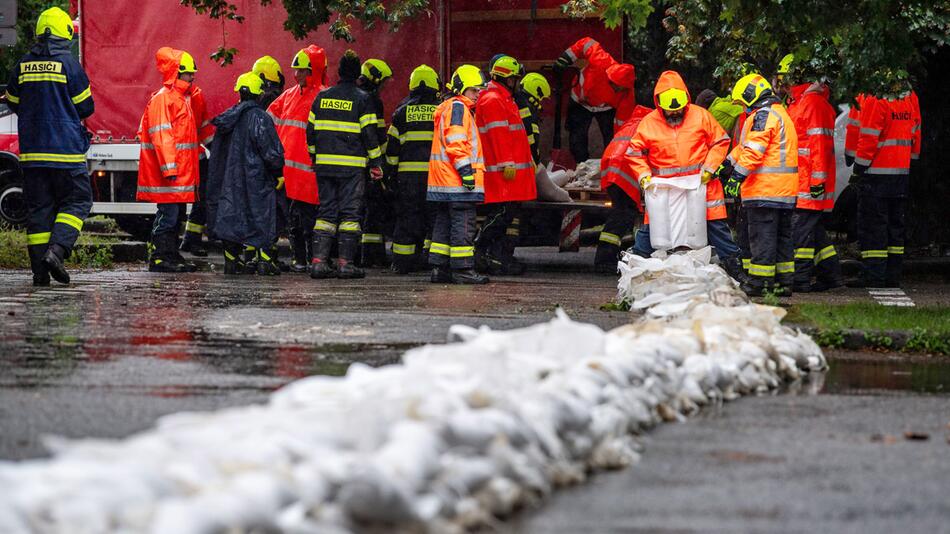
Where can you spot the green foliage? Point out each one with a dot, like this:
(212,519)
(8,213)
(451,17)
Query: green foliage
(91,252)
(91,256)
(27,13)
(615,306)
(879,340)
(924,340)
(829,338)
(13,253)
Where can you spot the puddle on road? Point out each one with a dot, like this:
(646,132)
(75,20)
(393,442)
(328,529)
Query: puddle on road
(886,376)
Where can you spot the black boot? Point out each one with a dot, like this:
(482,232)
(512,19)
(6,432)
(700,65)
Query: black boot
(55,259)
(733,267)
(250,260)
(441,275)
(267,262)
(192,243)
(233,258)
(164,252)
(188,266)
(40,271)
(468,276)
(320,266)
(300,250)
(349,244)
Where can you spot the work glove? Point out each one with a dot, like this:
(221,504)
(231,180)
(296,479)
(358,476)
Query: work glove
(468,182)
(646,182)
(817,191)
(848,160)
(562,63)
(724,171)
(510,172)
(280,183)
(708,177)
(732,187)
(171,178)
(376,173)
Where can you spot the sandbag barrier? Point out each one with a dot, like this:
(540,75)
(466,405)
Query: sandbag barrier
(453,438)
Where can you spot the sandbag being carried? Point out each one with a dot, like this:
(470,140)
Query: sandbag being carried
(677,210)
(548,190)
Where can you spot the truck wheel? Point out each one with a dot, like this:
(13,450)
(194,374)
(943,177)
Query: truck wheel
(12,204)
(137,226)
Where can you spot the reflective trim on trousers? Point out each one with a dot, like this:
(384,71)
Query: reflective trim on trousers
(865,254)
(439,248)
(611,239)
(413,166)
(324,226)
(369,238)
(194,227)
(69,220)
(804,254)
(785,267)
(826,253)
(404,250)
(761,270)
(40,238)
(895,250)
(350,226)
(461,252)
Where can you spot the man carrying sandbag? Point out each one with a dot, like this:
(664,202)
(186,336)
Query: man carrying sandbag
(682,141)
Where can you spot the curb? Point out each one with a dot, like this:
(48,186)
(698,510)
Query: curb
(854,339)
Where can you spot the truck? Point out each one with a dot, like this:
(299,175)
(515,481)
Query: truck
(118,39)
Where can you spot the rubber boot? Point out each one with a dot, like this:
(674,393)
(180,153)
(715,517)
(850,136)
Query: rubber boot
(267,262)
(55,261)
(250,260)
(40,270)
(320,266)
(233,259)
(163,258)
(468,276)
(300,249)
(188,266)
(733,267)
(193,244)
(349,244)
(440,275)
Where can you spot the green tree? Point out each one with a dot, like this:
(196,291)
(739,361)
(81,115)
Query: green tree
(27,13)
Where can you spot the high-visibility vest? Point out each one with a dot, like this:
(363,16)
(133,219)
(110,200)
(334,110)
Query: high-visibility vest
(505,144)
(814,120)
(853,125)
(767,155)
(614,167)
(889,135)
(456,151)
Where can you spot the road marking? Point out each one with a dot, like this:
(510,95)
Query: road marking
(891,297)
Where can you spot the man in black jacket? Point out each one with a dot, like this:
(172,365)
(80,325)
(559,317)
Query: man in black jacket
(341,138)
(246,159)
(378,209)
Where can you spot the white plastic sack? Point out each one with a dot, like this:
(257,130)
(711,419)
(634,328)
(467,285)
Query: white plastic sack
(548,191)
(843,172)
(677,208)
(560,177)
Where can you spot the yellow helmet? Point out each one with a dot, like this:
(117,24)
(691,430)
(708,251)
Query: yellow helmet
(536,86)
(424,75)
(673,99)
(505,67)
(57,22)
(187,64)
(749,89)
(376,70)
(466,77)
(269,68)
(250,81)
(785,64)
(301,61)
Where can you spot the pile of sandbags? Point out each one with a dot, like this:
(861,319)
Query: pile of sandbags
(450,439)
(586,175)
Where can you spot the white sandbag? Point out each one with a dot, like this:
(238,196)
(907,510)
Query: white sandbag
(560,177)
(677,209)
(548,191)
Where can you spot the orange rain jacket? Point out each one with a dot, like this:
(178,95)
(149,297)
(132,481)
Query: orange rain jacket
(592,89)
(853,125)
(290,112)
(200,109)
(456,151)
(505,143)
(814,120)
(614,167)
(889,137)
(697,144)
(767,156)
(169,137)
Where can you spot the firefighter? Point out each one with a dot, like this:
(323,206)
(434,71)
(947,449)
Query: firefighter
(341,138)
(509,167)
(456,180)
(197,217)
(407,158)
(851,129)
(723,110)
(168,158)
(679,139)
(290,112)
(603,91)
(50,93)
(814,119)
(374,73)
(272,77)
(617,180)
(763,170)
(246,161)
(532,91)
(888,141)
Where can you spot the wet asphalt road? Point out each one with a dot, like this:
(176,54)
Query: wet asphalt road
(110,354)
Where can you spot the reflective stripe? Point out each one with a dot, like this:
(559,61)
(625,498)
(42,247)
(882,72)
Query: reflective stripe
(418,136)
(167,189)
(782,200)
(870,131)
(819,175)
(524,113)
(413,166)
(915,129)
(168,167)
(462,252)
(392,160)
(367,238)
(609,238)
(439,248)
(621,138)
(82,96)
(208,121)
(516,127)
(291,122)
(873,253)
(513,232)
(746,263)
(186,146)
(821,131)
(40,238)
(634,153)
(619,172)
(862,161)
(160,127)
(785,267)
(57,158)
(13,98)
(896,142)
(368,119)
(895,250)
(426,244)
(381,123)
(715,203)
(670,171)
(741,170)
(758,147)
(888,170)
(587,46)
(336,159)
(324,226)
(455,137)
(849,153)
(826,253)
(393,131)
(297,165)
(761,270)
(777,170)
(404,250)
(263,255)
(42,77)
(194,227)
(229,256)
(454,189)
(350,226)
(804,152)
(915,156)
(500,168)
(853,122)
(207,140)
(804,254)
(336,126)
(493,125)
(374,153)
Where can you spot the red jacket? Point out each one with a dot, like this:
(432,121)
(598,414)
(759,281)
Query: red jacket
(853,125)
(696,145)
(504,143)
(814,120)
(614,167)
(592,89)
(889,135)
(169,137)
(200,109)
(290,112)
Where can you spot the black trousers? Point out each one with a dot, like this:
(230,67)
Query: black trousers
(621,218)
(57,201)
(772,246)
(814,252)
(198,216)
(578,124)
(340,209)
(413,218)
(378,212)
(300,222)
(499,233)
(881,234)
(742,236)
(453,235)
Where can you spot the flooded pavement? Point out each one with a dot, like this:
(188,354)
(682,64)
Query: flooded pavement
(110,354)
